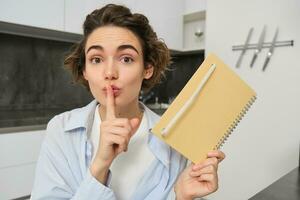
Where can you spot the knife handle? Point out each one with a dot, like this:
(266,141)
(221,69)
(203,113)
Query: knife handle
(254,58)
(239,61)
(266,63)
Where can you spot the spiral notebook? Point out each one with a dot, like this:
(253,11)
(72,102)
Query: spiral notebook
(206,110)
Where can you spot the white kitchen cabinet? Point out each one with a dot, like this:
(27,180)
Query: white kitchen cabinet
(38,13)
(192,6)
(69,15)
(164,16)
(194,31)
(194,18)
(18,156)
(16,181)
(75,13)
(20,148)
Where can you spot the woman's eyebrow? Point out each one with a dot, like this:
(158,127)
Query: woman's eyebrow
(97,47)
(120,48)
(127,46)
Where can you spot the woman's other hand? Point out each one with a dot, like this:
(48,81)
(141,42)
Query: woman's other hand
(201,179)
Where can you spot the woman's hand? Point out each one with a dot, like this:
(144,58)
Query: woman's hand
(199,180)
(114,138)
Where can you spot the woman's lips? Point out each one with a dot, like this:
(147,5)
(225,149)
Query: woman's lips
(116,91)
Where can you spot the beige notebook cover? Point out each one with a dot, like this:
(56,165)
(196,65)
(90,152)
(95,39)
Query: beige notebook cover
(212,115)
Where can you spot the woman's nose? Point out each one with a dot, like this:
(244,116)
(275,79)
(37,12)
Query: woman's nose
(111,71)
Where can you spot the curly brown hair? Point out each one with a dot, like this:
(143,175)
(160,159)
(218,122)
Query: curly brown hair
(155,51)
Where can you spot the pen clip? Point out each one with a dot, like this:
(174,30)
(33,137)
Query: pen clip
(165,131)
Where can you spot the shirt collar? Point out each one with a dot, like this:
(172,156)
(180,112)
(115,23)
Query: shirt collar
(160,149)
(83,118)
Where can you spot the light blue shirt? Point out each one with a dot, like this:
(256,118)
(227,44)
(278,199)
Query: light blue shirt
(62,170)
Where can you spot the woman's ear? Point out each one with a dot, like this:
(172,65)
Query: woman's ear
(148,72)
(84,74)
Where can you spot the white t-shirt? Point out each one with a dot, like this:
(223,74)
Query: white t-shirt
(128,167)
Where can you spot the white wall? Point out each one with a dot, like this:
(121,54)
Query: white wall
(191,6)
(265,145)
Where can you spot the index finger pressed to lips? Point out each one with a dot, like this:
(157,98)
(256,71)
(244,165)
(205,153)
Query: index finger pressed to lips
(110,103)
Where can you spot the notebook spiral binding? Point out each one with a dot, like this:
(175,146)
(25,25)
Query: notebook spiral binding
(235,123)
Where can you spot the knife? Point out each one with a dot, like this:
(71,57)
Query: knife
(271,50)
(244,48)
(259,45)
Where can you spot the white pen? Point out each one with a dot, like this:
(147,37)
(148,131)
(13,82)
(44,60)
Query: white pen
(189,102)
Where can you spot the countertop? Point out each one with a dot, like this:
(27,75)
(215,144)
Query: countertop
(25,120)
(286,188)
(29,120)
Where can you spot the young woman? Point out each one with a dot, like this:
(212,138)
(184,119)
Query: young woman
(105,150)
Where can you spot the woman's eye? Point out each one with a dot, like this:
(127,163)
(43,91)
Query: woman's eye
(95,60)
(127,60)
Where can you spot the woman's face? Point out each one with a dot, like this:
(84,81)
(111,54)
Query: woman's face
(114,57)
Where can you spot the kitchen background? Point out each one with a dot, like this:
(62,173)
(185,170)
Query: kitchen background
(35,35)
(37,86)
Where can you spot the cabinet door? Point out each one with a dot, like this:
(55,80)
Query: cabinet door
(75,13)
(16,181)
(18,156)
(164,16)
(20,148)
(38,13)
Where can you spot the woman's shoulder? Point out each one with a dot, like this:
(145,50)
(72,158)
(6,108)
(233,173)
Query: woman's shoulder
(60,121)
(72,119)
